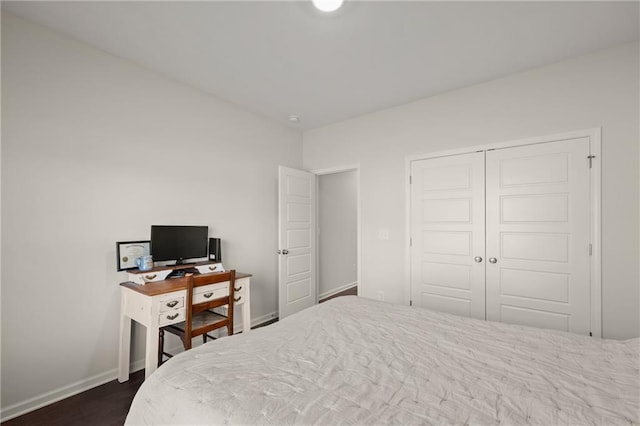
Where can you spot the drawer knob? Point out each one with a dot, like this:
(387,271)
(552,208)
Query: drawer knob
(237,299)
(208,295)
(172,303)
(237,289)
(172,317)
(149,277)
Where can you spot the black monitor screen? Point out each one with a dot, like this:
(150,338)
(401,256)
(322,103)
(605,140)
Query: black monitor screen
(178,242)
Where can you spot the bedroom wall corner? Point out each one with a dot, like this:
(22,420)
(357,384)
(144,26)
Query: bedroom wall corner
(95,149)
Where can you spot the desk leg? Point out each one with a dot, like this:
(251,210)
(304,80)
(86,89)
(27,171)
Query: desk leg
(151,351)
(246,311)
(125,348)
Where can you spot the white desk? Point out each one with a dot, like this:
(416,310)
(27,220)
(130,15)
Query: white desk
(160,303)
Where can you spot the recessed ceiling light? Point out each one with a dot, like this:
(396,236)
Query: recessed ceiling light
(327,5)
(294,119)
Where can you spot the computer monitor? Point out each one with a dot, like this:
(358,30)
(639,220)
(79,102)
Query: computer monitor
(170,242)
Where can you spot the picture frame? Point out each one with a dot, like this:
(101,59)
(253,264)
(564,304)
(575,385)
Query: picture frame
(128,251)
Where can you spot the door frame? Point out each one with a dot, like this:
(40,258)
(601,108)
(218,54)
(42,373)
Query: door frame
(595,216)
(329,171)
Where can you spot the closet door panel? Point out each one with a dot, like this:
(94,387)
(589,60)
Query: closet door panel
(538,232)
(447,233)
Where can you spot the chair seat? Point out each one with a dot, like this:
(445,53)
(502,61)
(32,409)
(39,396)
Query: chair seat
(200,320)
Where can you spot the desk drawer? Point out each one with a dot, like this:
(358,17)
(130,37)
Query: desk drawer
(149,277)
(241,290)
(171,317)
(216,291)
(210,292)
(207,269)
(174,303)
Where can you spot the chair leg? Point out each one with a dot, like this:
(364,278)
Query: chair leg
(204,338)
(160,346)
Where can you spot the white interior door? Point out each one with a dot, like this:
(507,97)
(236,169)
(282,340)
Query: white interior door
(538,211)
(296,240)
(447,234)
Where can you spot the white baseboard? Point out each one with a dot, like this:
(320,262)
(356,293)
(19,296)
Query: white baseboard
(337,290)
(264,318)
(80,386)
(64,392)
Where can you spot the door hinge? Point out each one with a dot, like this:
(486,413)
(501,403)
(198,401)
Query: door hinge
(590,250)
(410,180)
(591,334)
(591,157)
(410,242)
(410,302)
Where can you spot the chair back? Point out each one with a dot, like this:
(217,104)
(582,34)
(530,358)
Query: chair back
(204,302)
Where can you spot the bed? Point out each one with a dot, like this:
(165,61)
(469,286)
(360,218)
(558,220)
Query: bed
(356,361)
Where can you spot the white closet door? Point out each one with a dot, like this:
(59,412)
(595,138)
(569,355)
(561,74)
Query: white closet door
(538,234)
(447,233)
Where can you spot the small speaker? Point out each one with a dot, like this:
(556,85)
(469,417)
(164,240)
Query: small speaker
(215,252)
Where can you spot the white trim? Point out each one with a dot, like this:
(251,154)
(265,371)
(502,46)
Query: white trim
(264,318)
(237,323)
(595,139)
(55,395)
(407,229)
(359,289)
(595,143)
(508,144)
(340,169)
(337,290)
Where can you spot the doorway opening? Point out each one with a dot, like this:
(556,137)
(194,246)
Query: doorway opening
(338,233)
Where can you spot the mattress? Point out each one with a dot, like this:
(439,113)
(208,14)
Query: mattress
(356,361)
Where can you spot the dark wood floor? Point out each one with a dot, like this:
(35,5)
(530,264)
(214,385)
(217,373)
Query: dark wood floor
(104,405)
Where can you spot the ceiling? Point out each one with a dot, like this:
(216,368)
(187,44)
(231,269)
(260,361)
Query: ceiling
(284,58)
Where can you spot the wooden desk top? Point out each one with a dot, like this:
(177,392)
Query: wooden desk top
(167,286)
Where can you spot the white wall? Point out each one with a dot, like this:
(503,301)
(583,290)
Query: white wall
(337,220)
(597,90)
(95,150)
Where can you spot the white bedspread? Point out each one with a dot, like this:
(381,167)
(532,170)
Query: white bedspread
(357,361)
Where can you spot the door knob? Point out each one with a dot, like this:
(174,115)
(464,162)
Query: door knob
(285,251)
(493,260)
(478,259)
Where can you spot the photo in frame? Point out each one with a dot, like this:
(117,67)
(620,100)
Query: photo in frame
(128,251)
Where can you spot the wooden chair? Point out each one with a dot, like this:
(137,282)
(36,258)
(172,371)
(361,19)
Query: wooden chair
(199,317)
